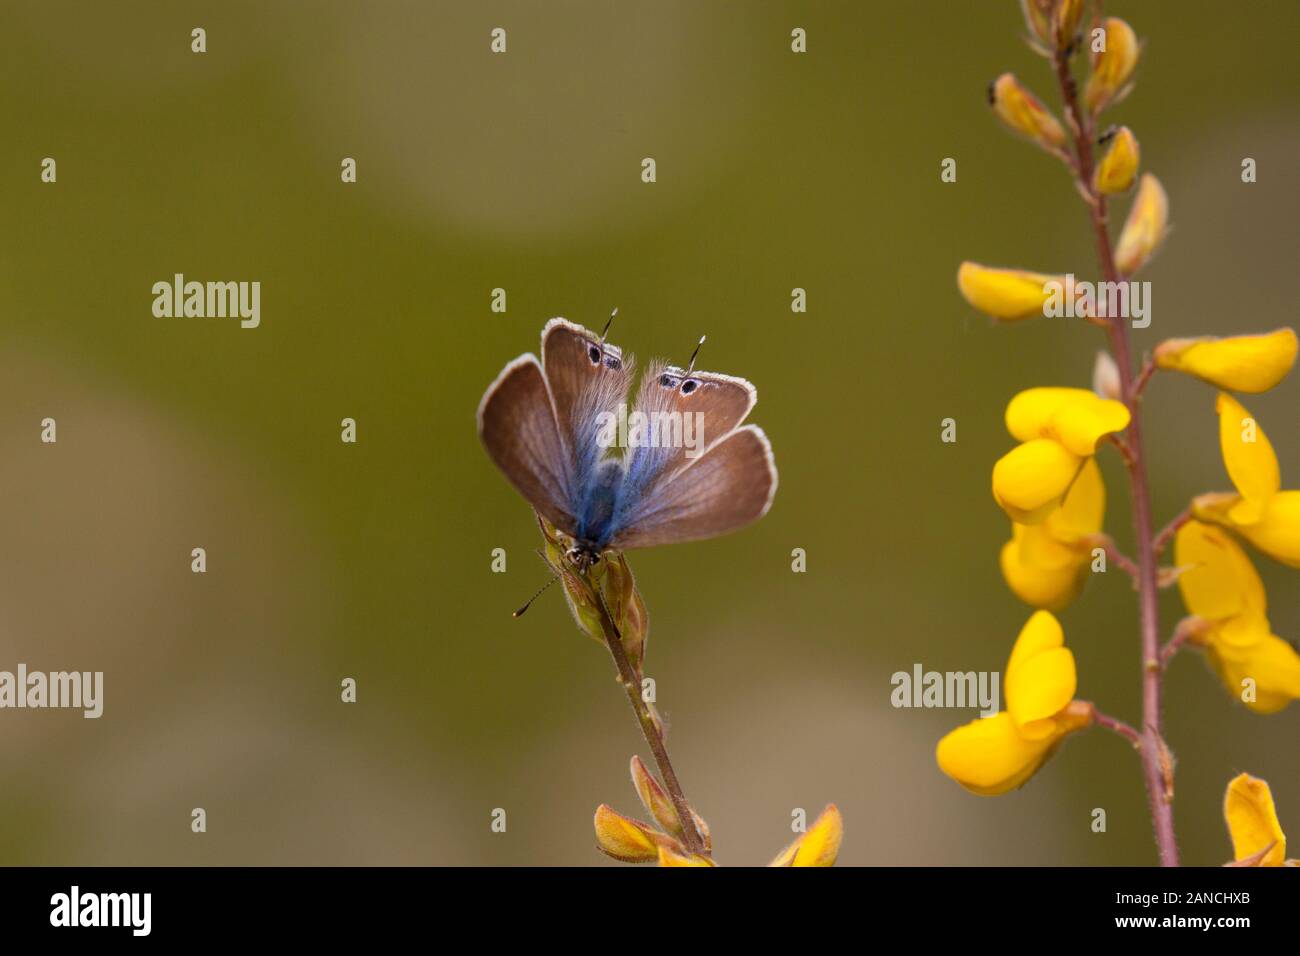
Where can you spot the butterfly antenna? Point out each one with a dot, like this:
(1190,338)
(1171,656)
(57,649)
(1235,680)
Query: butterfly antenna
(691,367)
(605,331)
(540,591)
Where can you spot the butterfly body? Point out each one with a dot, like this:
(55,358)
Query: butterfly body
(695,472)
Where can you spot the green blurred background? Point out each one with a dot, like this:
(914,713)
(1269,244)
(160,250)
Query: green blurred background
(372,560)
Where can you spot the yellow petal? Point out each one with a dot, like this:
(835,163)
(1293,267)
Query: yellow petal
(1084,508)
(626,839)
(1022,113)
(1218,580)
(1076,417)
(1145,228)
(1242,363)
(988,756)
(1252,820)
(1249,457)
(1006,294)
(1270,663)
(1112,68)
(670,857)
(1277,532)
(1041,586)
(1118,168)
(1040,676)
(1031,480)
(820,846)
(1080,424)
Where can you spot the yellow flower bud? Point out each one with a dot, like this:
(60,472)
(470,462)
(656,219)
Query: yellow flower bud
(1106,381)
(820,846)
(1242,363)
(1065,22)
(1022,112)
(1113,67)
(654,798)
(671,857)
(1252,821)
(1118,167)
(629,840)
(1145,228)
(1006,294)
(1038,17)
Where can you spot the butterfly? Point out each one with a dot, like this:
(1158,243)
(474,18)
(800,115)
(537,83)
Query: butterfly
(545,425)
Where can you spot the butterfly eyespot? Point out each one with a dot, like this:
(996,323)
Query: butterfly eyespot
(690,385)
(593,353)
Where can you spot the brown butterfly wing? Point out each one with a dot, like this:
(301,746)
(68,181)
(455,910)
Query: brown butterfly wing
(704,406)
(516,422)
(726,488)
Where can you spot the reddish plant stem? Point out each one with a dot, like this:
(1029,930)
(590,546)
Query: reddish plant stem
(1187,628)
(1116,726)
(1159,787)
(1168,531)
(650,728)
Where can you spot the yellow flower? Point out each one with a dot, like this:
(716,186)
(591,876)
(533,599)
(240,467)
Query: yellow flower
(1118,168)
(819,846)
(1022,112)
(1006,294)
(1243,363)
(1256,834)
(1059,429)
(1221,587)
(1145,227)
(632,841)
(1113,67)
(991,755)
(1260,512)
(1045,564)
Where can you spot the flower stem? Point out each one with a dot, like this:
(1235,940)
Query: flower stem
(1168,531)
(653,731)
(1117,726)
(1155,771)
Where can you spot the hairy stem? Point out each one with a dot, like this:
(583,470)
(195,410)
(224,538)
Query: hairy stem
(1156,771)
(1116,726)
(650,728)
